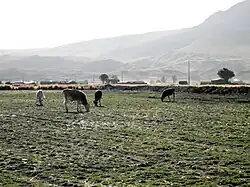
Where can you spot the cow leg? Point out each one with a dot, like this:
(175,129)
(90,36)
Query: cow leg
(80,105)
(87,107)
(169,98)
(162,99)
(65,105)
(40,101)
(174,96)
(79,108)
(100,103)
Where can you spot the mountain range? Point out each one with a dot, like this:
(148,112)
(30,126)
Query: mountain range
(222,40)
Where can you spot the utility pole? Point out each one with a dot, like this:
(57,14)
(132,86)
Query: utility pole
(122,75)
(189,73)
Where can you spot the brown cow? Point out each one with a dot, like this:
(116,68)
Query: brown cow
(75,95)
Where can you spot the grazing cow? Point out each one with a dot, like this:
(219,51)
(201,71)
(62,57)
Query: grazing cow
(75,95)
(168,92)
(39,97)
(98,97)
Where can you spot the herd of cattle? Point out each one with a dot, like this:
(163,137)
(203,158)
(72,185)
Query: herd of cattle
(71,95)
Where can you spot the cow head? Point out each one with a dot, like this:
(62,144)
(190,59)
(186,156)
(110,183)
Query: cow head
(87,107)
(95,102)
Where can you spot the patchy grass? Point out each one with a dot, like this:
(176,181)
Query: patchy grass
(133,140)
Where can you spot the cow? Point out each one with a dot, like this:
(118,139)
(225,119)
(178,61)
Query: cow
(98,97)
(78,96)
(39,98)
(168,92)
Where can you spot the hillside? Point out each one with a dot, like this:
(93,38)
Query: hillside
(46,67)
(222,40)
(225,33)
(94,48)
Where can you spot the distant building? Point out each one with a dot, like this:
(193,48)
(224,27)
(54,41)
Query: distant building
(8,82)
(236,81)
(57,82)
(71,82)
(49,82)
(133,82)
(219,81)
(205,82)
(17,82)
(29,82)
(61,82)
(183,82)
(83,82)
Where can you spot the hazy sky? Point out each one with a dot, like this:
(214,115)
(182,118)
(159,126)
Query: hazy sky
(49,23)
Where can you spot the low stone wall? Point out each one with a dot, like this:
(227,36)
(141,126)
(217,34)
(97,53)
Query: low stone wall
(211,89)
(189,89)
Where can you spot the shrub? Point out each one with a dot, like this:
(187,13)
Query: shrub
(5,87)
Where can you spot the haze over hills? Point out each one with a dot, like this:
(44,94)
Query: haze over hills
(222,40)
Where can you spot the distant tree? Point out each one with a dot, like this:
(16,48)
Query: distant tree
(174,78)
(103,77)
(85,82)
(225,74)
(158,81)
(163,79)
(151,82)
(115,78)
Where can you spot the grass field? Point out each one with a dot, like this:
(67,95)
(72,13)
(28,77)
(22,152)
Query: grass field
(132,141)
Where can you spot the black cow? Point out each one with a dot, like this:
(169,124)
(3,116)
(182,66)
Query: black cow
(98,97)
(168,92)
